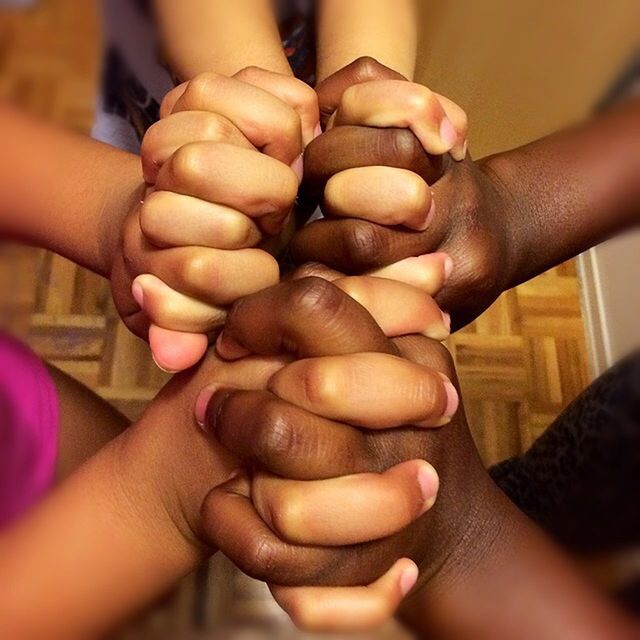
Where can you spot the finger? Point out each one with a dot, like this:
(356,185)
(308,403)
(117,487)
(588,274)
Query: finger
(458,118)
(231,524)
(349,147)
(364,69)
(296,93)
(267,122)
(348,609)
(395,103)
(356,246)
(164,137)
(345,510)
(385,195)
(315,269)
(176,350)
(170,309)
(428,273)
(213,276)
(355,389)
(398,308)
(271,434)
(305,317)
(247,181)
(172,220)
(170,99)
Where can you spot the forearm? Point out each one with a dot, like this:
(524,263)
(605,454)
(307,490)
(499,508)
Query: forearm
(63,191)
(116,535)
(383,29)
(571,191)
(512,582)
(220,36)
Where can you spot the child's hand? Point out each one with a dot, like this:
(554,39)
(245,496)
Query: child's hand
(476,222)
(318,528)
(223,167)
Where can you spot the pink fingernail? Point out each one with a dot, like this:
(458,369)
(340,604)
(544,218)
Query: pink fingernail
(430,215)
(448,267)
(446,319)
(408,579)
(317,131)
(452,400)
(161,367)
(448,134)
(229,349)
(138,293)
(298,167)
(429,482)
(202,402)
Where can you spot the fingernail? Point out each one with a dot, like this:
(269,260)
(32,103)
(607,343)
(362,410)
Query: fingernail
(429,483)
(298,167)
(202,402)
(138,293)
(448,134)
(236,473)
(452,400)
(230,349)
(430,215)
(448,267)
(408,579)
(446,319)
(171,371)
(317,131)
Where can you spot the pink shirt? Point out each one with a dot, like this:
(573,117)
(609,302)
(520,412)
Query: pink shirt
(29,425)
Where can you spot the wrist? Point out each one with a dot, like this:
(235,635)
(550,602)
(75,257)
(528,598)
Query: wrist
(514,211)
(508,582)
(182,464)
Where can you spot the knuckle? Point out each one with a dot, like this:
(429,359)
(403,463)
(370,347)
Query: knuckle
(366,68)
(261,559)
(423,103)
(276,439)
(187,163)
(402,145)
(197,269)
(199,87)
(364,245)
(316,296)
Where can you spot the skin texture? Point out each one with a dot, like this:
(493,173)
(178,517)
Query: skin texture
(472,540)
(502,220)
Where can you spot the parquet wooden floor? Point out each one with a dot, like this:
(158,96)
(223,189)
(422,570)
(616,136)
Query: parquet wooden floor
(519,364)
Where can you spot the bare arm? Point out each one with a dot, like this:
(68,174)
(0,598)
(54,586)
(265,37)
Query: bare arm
(220,36)
(382,29)
(507,580)
(118,533)
(63,191)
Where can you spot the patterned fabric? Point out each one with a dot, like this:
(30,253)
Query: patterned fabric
(581,479)
(134,80)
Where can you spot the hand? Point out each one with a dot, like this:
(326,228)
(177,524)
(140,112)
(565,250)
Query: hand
(226,159)
(472,224)
(281,432)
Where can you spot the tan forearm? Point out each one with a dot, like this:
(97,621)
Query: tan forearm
(220,36)
(383,29)
(63,191)
(117,534)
